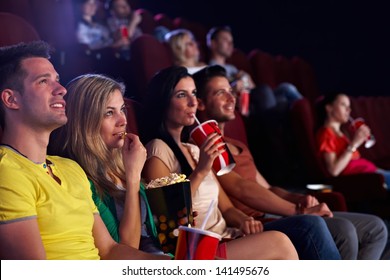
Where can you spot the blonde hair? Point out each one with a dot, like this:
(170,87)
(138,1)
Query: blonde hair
(176,43)
(86,100)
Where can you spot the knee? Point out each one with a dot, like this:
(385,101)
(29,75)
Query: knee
(378,228)
(286,247)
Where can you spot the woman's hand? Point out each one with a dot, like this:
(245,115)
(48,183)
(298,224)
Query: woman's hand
(360,136)
(209,150)
(134,156)
(250,226)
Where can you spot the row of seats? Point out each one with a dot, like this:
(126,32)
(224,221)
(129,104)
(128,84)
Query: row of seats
(149,55)
(55,21)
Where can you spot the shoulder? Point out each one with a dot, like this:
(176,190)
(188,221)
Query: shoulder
(68,167)
(159,148)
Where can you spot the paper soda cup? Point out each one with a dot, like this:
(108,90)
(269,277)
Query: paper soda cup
(224,163)
(196,244)
(358,122)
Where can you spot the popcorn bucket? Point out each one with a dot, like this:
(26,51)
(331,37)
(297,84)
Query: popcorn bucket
(171,207)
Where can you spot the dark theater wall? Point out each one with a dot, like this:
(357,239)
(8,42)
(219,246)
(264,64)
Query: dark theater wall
(345,41)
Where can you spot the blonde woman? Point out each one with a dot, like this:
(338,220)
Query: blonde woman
(95,136)
(184,49)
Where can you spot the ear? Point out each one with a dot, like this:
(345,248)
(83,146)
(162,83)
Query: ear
(328,108)
(10,99)
(201,105)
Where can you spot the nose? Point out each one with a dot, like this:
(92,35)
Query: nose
(193,101)
(121,120)
(59,89)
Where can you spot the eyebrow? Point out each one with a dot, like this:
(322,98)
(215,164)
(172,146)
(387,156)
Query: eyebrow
(46,75)
(111,107)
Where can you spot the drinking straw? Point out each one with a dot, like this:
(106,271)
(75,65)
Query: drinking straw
(196,119)
(200,127)
(208,214)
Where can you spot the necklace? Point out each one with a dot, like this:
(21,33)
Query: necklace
(45,165)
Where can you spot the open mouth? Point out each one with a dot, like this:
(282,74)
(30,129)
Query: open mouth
(122,134)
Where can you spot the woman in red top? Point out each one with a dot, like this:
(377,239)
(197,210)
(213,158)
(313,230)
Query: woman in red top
(339,151)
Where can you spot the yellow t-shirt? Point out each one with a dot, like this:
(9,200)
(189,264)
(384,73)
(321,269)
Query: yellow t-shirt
(65,212)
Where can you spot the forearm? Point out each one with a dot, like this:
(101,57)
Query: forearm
(339,163)
(286,195)
(130,224)
(124,252)
(262,199)
(196,178)
(233,217)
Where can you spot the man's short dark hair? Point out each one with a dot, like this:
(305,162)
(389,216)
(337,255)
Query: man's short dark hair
(213,33)
(11,73)
(202,77)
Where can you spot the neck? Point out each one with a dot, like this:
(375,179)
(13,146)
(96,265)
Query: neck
(218,59)
(221,126)
(87,18)
(33,145)
(336,126)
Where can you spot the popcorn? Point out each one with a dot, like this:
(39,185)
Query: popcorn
(173,178)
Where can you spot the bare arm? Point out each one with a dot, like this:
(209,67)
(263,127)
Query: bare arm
(265,200)
(335,165)
(21,241)
(110,250)
(134,156)
(255,196)
(235,217)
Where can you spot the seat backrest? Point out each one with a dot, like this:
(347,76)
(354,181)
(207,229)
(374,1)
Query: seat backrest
(263,66)
(148,56)
(284,70)
(305,78)
(133,110)
(303,125)
(15,29)
(240,59)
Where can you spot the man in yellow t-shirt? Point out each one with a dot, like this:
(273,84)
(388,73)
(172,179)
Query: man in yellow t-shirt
(46,207)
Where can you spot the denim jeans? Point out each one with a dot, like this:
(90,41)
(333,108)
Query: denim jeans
(386,174)
(310,236)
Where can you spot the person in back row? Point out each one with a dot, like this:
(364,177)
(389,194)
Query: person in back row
(184,49)
(123,24)
(46,206)
(339,152)
(263,97)
(358,236)
(170,107)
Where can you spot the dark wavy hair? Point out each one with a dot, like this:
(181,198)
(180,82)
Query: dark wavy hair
(155,107)
(320,106)
(202,77)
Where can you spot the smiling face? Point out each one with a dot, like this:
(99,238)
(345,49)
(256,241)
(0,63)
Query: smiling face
(183,104)
(41,104)
(223,44)
(220,101)
(114,121)
(340,109)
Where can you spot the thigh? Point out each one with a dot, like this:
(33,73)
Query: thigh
(365,225)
